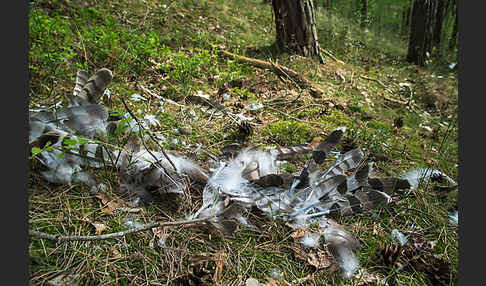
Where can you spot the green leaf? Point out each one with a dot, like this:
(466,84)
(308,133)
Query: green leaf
(82,140)
(70,142)
(36,150)
(60,156)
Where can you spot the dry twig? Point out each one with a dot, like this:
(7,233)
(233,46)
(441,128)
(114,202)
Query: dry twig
(387,89)
(280,70)
(63,238)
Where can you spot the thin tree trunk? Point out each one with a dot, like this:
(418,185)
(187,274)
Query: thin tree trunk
(416,46)
(296,27)
(439,22)
(431,6)
(453,40)
(364,13)
(327,4)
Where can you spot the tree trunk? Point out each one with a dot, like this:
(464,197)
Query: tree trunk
(453,40)
(430,24)
(439,22)
(364,13)
(420,35)
(327,4)
(296,27)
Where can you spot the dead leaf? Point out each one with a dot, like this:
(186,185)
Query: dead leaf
(103,197)
(299,233)
(319,259)
(271,282)
(111,204)
(299,253)
(252,282)
(63,280)
(116,254)
(363,277)
(316,141)
(99,227)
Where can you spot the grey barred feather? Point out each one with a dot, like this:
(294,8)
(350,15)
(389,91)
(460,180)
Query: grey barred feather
(81,80)
(292,152)
(323,149)
(82,117)
(95,86)
(319,154)
(389,185)
(345,162)
(88,120)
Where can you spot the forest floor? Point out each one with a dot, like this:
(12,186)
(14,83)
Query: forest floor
(171,48)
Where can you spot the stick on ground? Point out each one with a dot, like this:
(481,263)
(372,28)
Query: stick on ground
(279,70)
(63,238)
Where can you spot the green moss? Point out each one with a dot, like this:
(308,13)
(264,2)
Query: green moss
(288,132)
(336,118)
(379,125)
(289,167)
(310,113)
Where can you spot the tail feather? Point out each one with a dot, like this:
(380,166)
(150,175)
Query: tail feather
(347,161)
(89,120)
(289,153)
(82,77)
(388,185)
(319,155)
(95,86)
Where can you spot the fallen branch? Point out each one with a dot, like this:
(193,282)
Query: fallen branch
(327,53)
(378,82)
(386,89)
(64,238)
(279,70)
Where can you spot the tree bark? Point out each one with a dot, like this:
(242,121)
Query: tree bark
(453,40)
(431,6)
(439,21)
(327,4)
(296,27)
(364,13)
(420,36)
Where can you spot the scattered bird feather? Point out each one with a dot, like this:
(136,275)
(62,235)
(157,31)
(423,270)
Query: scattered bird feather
(137,97)
(251,178)
(423,175)
(240,181)
(399,237)
(454,217)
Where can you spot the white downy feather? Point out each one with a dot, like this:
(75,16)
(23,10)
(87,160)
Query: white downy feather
(342,244)
(418,175)
(346,260)
(310,239)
